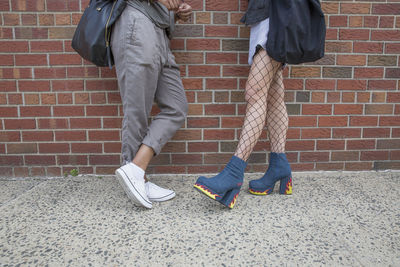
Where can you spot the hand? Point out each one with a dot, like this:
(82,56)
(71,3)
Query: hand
(171,4)
(184,12)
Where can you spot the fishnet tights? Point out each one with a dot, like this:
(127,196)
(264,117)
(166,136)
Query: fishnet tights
(265,102)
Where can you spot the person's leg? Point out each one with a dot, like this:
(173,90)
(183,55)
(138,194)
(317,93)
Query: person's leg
(134,46)
(262,73)
(171,100)
(277,125)
(226,185)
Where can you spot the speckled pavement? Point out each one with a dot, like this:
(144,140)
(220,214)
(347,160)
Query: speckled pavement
(333,218)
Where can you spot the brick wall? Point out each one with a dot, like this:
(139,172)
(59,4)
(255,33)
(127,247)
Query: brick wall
(58,112)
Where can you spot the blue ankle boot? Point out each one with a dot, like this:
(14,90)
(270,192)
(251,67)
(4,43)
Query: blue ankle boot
(278,169)
(226,185)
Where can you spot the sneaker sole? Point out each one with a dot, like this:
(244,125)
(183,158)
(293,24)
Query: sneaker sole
(164,198)
(130,190)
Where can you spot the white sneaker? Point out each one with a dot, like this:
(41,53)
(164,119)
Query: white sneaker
(131,178)
(158,194)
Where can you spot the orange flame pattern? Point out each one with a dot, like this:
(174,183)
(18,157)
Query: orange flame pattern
(206,191)
(260,193)
(233,202)
(289,187)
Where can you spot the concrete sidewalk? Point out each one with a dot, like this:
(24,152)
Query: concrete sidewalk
(333,218)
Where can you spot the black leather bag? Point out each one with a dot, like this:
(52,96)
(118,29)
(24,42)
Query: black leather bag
(93,34)
(297,31)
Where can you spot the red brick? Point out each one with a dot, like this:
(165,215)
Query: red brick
(368,47)
(368,73)
(101,110)
(67,85)
(357,166)
(11,160)
(320,84)
(114,147)
(40,160)
(224,83)
(386,9)
(346,133)
(202,147)
(236,71)
(86,148)
(221,58)
(376,132)
(374,155)
(70,135)
(329,166)
(222,5)
(65,59)
(197,44)
(52,123)
(48,73)
(19,124)
(332,121)
(360,144)
(202,169)
(204,71)
(220,109)
(351,60)
(9,136)
(300,145)
(314,109)
(221,31)
(385,35)
(314,156)
(37,136)
(389,121)
(8,86)
(34,86)
(68,111)
(354,34)
(33,111)
(203,122)
(104,159)
(352,85)
(22,5)
(72,160)
(378,109)
(22,148)
(85,123)
(363,121)
(303,121)
(186,159)
(54,148)
(219,134)
(345,156)
(345,109)
(381,85)
(315,133)
(105,135)
(232,122)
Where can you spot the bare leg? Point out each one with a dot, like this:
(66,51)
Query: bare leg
(261,76)
(143,157)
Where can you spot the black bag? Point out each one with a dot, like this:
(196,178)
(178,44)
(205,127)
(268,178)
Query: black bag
(297,31)
(93,34)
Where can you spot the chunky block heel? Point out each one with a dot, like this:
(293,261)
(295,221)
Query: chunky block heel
(285,187)
(230,198)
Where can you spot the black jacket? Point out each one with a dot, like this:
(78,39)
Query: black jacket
(257,10)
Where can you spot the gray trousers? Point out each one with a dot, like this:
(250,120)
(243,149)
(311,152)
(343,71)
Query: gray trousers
(147,73)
